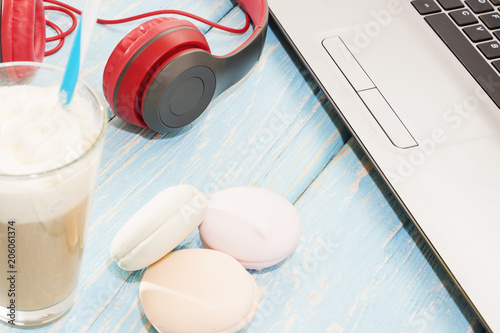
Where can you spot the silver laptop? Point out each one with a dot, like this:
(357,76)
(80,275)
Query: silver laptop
(417,83)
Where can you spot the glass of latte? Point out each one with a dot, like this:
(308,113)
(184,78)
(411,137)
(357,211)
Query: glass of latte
(49,158)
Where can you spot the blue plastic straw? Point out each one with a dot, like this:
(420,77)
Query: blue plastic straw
(78,50)
(72,71)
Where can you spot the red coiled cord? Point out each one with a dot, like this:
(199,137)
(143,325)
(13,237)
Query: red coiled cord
(69,10)
(60,34)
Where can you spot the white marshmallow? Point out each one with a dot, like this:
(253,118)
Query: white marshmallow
(158,227)
(256,226)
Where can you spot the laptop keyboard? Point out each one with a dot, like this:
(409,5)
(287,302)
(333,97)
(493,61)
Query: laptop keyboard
(471,30)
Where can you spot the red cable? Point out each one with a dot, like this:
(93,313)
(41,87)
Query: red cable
(61,40)
(61,35)
(159,12)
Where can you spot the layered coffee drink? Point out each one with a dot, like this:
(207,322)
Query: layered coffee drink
(49,156)
(47,260)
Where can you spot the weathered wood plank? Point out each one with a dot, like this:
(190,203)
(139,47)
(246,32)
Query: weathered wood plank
(361,265)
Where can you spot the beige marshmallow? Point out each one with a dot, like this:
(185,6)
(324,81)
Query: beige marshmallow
(198,290)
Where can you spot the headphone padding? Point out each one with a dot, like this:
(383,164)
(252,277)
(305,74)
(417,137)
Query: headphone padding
(125,50)
(23,30)
(122,74)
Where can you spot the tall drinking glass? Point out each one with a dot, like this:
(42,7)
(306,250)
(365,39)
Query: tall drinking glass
(49,158)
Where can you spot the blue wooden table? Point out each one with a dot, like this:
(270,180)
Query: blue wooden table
(361,265)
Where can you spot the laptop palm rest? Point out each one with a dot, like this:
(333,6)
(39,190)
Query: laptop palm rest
(378,106)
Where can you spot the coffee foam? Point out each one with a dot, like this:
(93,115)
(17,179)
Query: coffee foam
(38,135)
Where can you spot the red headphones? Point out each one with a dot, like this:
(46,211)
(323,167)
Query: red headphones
(160,76)
(22,30)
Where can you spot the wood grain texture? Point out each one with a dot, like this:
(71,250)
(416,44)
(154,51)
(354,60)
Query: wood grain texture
(361,264)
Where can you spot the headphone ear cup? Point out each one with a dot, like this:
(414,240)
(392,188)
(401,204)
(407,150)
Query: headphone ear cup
(125,50)
(137,57)
(22,30)
(180,90)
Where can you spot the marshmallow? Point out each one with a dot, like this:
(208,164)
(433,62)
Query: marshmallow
(198,290)
(158,227)
(257,227)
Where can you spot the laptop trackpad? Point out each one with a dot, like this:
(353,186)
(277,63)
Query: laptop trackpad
(378,106)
